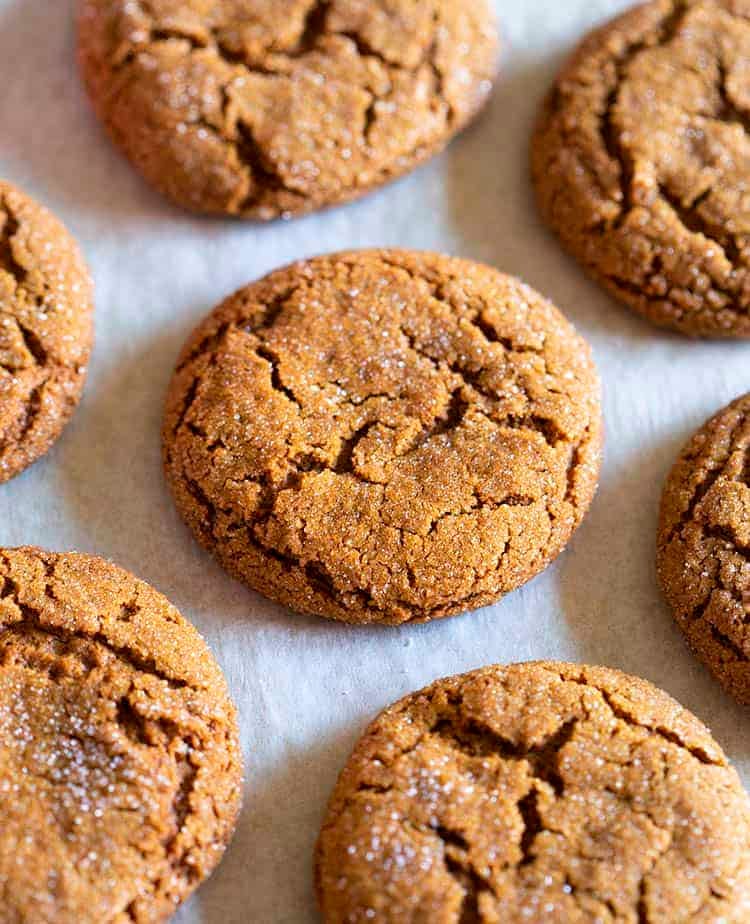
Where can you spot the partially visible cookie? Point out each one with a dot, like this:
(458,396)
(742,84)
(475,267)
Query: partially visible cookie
(120,767)
(641,162)
(704,545)
(46,329)
(539,792)
(384,436)
(260,108)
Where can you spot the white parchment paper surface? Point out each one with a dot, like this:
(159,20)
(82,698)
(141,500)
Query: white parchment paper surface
(305,688)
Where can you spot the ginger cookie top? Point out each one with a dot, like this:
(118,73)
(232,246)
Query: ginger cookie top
(536,792)
(261,108)
(642,159)
(46,329)
(119,762)
(703,546)
(384,436)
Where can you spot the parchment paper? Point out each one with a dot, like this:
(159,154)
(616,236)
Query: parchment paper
(305,688)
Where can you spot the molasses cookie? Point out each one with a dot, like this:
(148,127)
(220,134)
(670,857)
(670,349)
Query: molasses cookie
(120,769)
(704,539)
(384,436)
(536,793)
(641,162)
(46,329)
(260,109)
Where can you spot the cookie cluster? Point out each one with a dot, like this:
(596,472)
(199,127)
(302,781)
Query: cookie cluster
(387,437)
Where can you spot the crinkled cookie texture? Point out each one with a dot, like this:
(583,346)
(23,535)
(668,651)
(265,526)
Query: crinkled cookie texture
(641,162)
(384,436)
(536,793)
(46,329)
(120,769)
(261,108)
(704,545)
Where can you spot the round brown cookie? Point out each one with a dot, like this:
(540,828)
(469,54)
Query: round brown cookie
(384,436)
(120,769)
(536,793)
(46,329)
(261,108)
(641,160)
(704,544)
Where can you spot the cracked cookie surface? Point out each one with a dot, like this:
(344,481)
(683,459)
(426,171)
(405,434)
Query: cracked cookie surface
(120,769)
(46,329)
(533,793)
(261,108)
(641,161)
(704,545)
(384,436)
